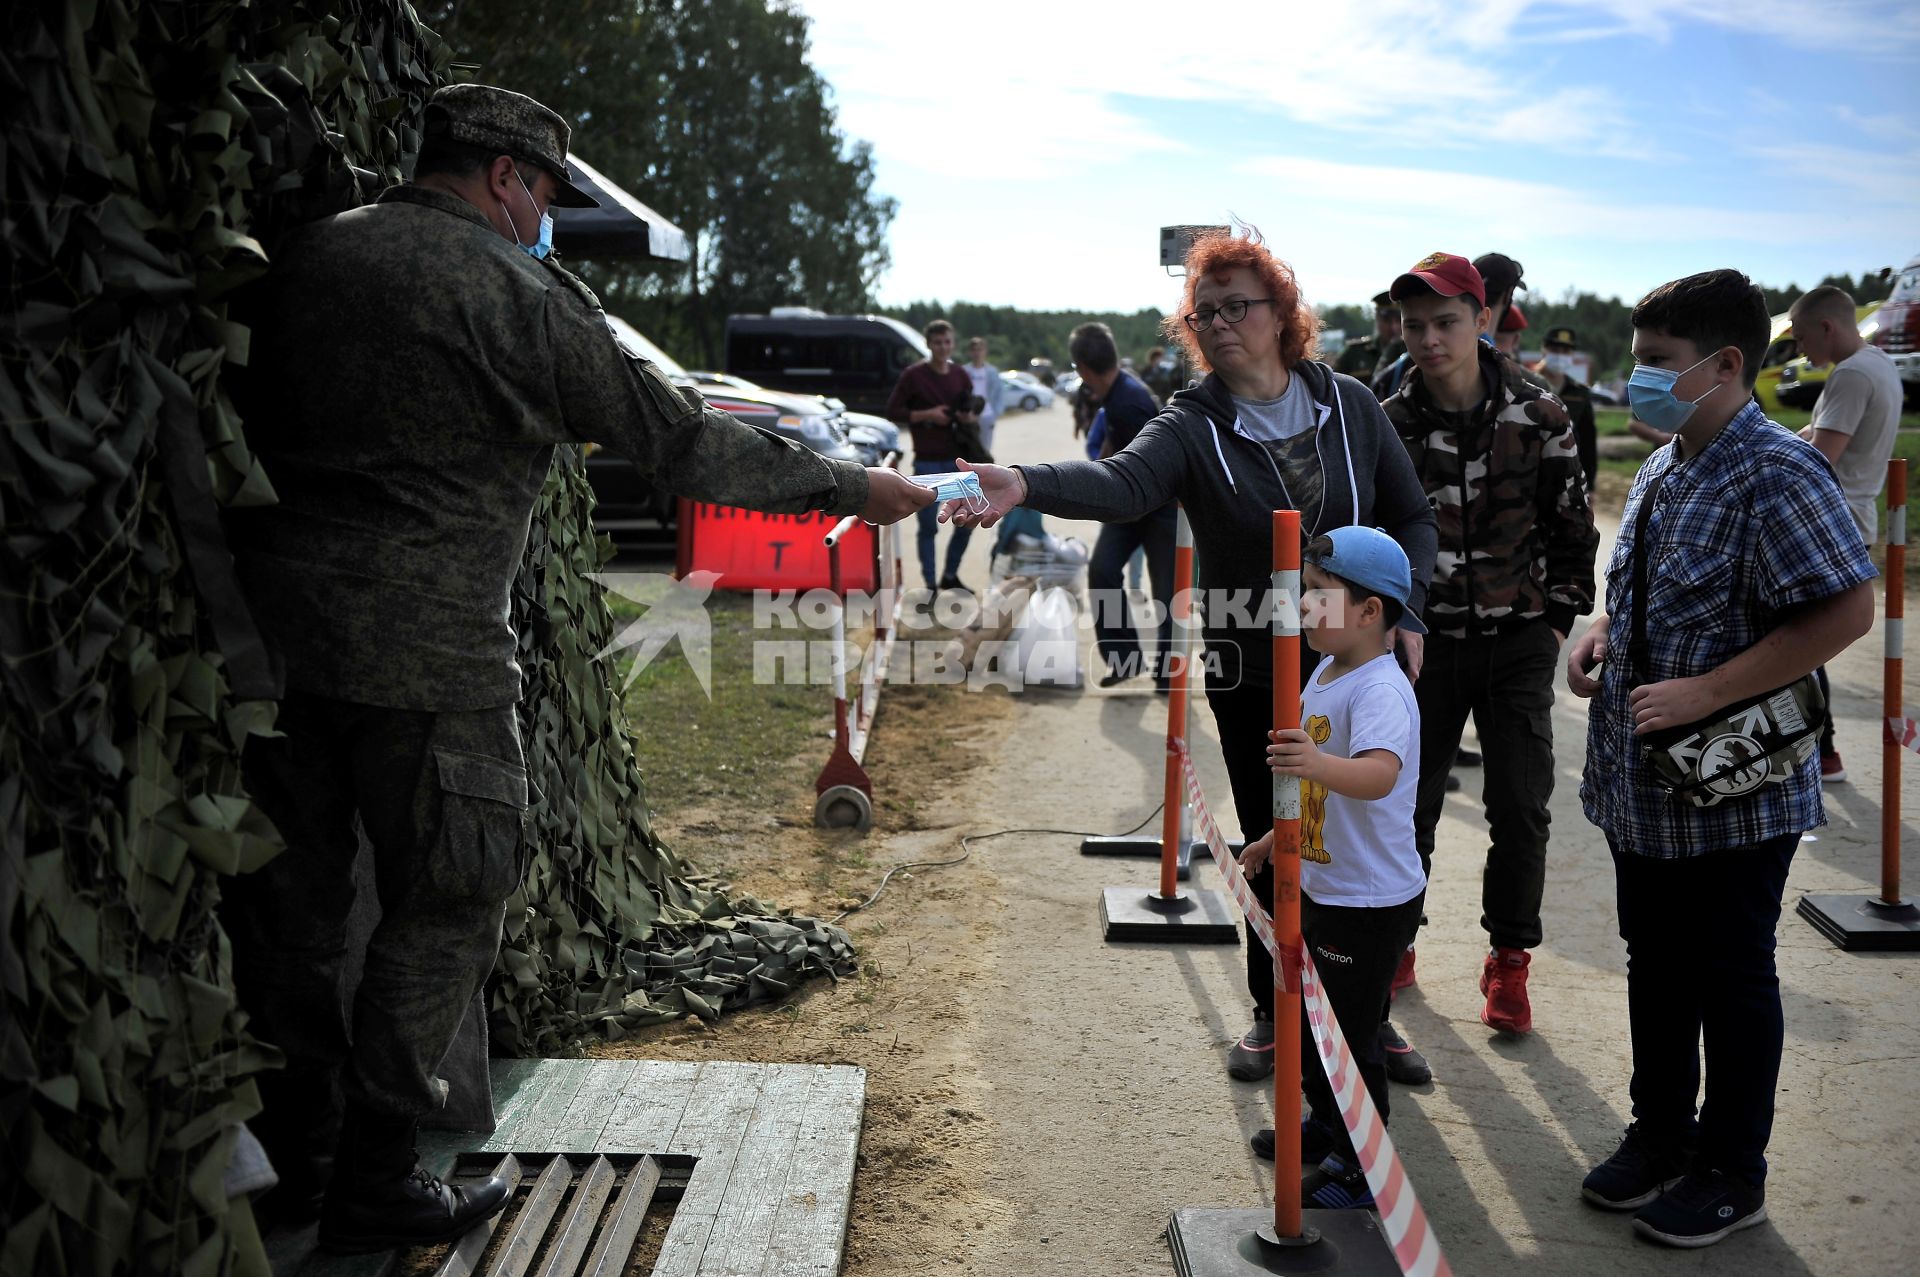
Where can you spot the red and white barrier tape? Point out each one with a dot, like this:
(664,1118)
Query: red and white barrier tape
(1416,1247)
(1906,731)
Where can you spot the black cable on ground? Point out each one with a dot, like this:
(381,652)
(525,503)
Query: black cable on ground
(967,850)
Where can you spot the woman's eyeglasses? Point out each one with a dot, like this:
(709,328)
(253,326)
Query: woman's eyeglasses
(1232,312)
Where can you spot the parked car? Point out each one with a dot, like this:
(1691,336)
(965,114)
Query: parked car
(1800,382)
(853,358)
(1896,329)
(1025,391)
(627,503)
(1067,384)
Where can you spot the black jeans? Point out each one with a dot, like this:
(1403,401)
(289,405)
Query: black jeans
(1116,638)
(443,802)
(1826,717)
(1356,952)
(1700,941)
(1505,681)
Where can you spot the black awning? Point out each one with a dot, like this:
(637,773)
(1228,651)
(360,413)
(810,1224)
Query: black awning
(621,227)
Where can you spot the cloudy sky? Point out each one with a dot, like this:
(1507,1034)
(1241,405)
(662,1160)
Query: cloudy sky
(1036,149)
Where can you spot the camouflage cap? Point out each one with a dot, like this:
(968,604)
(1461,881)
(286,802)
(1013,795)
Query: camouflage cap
(512,123)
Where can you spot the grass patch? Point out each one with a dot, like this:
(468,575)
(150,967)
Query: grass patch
(695,750)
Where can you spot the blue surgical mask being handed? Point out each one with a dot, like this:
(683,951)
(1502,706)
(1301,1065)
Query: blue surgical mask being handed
(542,246)
(1650,395)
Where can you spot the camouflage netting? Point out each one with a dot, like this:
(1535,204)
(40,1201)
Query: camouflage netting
(151,152)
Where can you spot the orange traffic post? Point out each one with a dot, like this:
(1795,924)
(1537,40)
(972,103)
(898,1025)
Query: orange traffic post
(1286,883)
(1884,921)
(1201,917)
(1890,692)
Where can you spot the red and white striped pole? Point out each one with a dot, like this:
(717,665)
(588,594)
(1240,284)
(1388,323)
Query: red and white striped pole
(1173,818)
(1890,749)
(1286,886)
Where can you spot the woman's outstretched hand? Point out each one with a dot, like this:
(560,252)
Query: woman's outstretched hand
(1003,488)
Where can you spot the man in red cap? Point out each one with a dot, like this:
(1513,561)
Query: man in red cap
(1497,456)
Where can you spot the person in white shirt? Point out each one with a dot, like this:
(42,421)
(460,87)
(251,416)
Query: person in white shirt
(1357,755)
(988,385)
(1853,426)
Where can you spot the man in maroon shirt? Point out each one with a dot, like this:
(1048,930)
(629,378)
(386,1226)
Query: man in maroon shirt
(929,399)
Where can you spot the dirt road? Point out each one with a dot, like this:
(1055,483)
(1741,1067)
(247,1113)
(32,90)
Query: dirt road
(1041,1101)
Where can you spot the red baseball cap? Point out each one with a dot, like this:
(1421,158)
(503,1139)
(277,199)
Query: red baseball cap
(1446,274)
(1514,320)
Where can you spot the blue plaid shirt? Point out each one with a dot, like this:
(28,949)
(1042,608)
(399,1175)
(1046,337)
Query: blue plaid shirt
(1740,534)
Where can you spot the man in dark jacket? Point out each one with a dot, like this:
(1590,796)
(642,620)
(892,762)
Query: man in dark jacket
(1497,457)
(1129,406)
(418,361)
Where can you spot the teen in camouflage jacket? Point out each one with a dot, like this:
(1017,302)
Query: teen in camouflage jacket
(1517,539)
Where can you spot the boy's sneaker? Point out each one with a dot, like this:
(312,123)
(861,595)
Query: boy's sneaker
(1503,978)
(1252,1056)
(1316,1142)
(951,582)
(1403,974)
(1641,1169)
(1701,1209)
(1832,770)
(1404,1064)
(1336,1184)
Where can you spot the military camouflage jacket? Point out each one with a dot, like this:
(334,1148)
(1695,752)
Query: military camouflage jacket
(412,373)
(1517,540)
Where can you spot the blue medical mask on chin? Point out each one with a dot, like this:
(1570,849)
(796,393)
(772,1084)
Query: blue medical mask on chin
(539,249)
(1650,395)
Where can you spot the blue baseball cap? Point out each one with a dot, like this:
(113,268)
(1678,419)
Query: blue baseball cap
(1373,561)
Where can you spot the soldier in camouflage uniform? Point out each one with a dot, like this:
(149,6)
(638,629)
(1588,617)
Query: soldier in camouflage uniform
(1557,371)
(417,361)
(1364,355)
(1496,455)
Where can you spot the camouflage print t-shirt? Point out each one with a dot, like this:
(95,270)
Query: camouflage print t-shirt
(1289,428)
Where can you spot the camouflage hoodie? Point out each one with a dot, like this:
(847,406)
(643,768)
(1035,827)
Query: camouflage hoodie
(1517,540)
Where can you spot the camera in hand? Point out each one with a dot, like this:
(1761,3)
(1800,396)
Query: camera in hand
(972,405)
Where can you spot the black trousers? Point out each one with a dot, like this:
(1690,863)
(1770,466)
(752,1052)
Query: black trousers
(1505,681)
(1356,952)
(442,798)
(1116,638)
(1700,941)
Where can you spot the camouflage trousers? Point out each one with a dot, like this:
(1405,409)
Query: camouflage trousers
(442,801)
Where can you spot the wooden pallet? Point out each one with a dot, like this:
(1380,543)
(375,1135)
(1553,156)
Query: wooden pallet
(765,1153)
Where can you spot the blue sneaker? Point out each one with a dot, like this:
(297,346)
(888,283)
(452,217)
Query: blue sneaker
(1701,1209)
(1641,1169)
(1336,1184)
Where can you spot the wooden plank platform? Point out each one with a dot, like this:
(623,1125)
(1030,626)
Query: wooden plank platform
(774,1144)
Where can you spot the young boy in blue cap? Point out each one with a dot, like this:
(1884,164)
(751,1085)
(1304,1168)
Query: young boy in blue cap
(1357,755)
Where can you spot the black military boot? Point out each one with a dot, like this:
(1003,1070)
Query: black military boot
(381,1199)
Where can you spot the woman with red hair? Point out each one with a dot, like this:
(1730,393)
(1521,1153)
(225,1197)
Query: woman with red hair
(1268,428)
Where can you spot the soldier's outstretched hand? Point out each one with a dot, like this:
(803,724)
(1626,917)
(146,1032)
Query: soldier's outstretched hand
(891,497)
(1003,488)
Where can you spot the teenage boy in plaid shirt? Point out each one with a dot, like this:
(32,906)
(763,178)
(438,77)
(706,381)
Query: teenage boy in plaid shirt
(1756,574)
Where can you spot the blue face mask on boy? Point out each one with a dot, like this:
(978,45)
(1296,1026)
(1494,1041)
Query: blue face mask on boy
(539,249)
(1650,395)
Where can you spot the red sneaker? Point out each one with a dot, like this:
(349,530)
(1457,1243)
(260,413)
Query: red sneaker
(1403,974)
(1503,978)
(1832,770)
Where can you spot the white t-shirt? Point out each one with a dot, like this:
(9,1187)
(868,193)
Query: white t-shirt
(987,415)
(1352,853)
(1862,399)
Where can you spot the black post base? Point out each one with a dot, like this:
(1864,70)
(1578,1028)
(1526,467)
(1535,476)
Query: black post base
(1859,923)
(1211,1242)
(1192,917)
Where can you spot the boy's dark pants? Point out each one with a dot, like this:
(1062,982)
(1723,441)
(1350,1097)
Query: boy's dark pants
(1356,952)
(1700,941)
(443,800)
(1505,681)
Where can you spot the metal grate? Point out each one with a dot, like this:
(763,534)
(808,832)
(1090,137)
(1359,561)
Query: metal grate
(572,1214)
